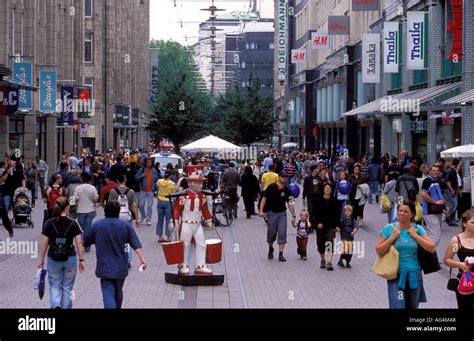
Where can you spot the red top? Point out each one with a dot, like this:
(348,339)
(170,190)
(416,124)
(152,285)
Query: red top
(106,190)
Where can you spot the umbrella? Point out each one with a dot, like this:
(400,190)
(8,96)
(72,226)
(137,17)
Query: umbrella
(40,282)
(290,145)
(466,151)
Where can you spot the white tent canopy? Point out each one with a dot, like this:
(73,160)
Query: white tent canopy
(290,145)
(466,151)
(210,144)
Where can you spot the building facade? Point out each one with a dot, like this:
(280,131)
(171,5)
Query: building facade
(323,100)
(97,45)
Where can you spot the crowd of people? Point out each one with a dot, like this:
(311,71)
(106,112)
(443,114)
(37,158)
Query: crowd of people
(335,191)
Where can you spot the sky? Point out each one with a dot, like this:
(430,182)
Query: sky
(165,18)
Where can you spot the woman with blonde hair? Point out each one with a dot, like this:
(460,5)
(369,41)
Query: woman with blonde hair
(59,234)
(462,245)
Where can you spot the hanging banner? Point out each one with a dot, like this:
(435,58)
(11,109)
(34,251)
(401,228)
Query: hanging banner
(282,28)
(454,27)
(391,47)
(338,25)
(371,58)
(154,76)
(298,56)
(320,41)
(47,91)
(365,5)
(23,73)
(416,40)
(67,104)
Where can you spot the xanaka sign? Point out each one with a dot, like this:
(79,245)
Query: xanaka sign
(371,58)
(391,50)
(416,40)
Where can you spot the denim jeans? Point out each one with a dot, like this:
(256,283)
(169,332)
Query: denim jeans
(392,214)
(112,292)
(164,213)
(374,189)
(405,298)
(145,198)
(7,201)
(453,205)
(61,277)
(85,222)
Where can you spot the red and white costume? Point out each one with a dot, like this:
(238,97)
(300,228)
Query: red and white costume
(192,207)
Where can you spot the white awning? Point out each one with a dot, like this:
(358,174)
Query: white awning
(404,102)
(465,97)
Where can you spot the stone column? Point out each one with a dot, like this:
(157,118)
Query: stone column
(51,156)
(30,138)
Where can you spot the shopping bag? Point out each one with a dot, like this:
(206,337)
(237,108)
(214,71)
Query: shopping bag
(386,266)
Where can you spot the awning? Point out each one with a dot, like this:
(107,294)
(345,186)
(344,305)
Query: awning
(404,102)
(465,97)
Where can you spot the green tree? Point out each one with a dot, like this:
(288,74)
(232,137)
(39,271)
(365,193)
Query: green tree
(181,109)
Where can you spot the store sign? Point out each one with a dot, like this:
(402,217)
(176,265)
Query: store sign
(282,28)
(298,56)
(371,58)
(67,104)
(320,41)
(23,73)
(154,76)
(84,130)
(8,101)
(47,91)
(454,27)
(391,47)
(338,25)
(416,40)
(91,131)
(365,5)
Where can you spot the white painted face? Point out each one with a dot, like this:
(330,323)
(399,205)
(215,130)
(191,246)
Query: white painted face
(195,186)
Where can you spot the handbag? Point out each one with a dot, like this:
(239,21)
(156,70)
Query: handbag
(385,204)
(436,208)
(419,213)
(428,261)
(386,266)
(453,282)
(466,283)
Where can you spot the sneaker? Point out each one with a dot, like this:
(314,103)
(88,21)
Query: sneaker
(10,234)
(281,258)
(330,267)
(341,263)
(304,258)
(348,265)
(142,220)
(323,264)
(270,253)
(148,223)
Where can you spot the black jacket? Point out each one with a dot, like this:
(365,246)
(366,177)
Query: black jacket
(326,212)
(250,186)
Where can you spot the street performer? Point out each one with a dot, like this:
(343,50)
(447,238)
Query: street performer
(193,206)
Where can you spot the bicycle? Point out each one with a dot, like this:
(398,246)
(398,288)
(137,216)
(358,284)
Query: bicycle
(222,212)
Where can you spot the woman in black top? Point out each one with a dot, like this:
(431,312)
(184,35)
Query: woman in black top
(463,245)
(356,180)
(326,219)
(250,190)
(59,234)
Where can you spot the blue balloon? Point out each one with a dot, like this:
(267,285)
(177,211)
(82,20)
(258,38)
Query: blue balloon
(344,187)
(295,190)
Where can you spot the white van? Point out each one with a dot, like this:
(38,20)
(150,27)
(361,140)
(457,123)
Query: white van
(164,158)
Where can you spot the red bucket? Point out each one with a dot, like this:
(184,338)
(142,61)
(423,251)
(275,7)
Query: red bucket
(174,252)
(213,251)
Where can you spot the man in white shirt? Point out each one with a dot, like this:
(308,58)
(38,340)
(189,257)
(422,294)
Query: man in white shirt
(85,197)
(41,170)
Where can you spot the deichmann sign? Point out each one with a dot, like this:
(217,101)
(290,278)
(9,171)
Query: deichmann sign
(320,41)
(154,76)
(391,44)
(371,58)
(338,25)
(365,5)
(298,56)
(416,40)
(23,73)
(282,24)
(454,26)
(47,91)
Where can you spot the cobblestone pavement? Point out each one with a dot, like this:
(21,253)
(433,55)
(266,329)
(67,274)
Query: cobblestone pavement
(251,280)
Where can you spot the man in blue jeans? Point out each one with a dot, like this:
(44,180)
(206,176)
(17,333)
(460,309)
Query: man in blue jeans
(109,236)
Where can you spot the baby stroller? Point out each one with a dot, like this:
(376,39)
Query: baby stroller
(22,208)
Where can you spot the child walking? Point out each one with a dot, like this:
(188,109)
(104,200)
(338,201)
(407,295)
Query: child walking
(348,230)
(303,228)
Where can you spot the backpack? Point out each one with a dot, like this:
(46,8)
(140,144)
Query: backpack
(409,188)
(60,251)
(54,194)
(124,208)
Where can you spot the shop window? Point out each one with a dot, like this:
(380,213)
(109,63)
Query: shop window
(88,8)
(88,47)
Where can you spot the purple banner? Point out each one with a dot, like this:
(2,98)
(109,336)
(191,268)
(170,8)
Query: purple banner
(67,101)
